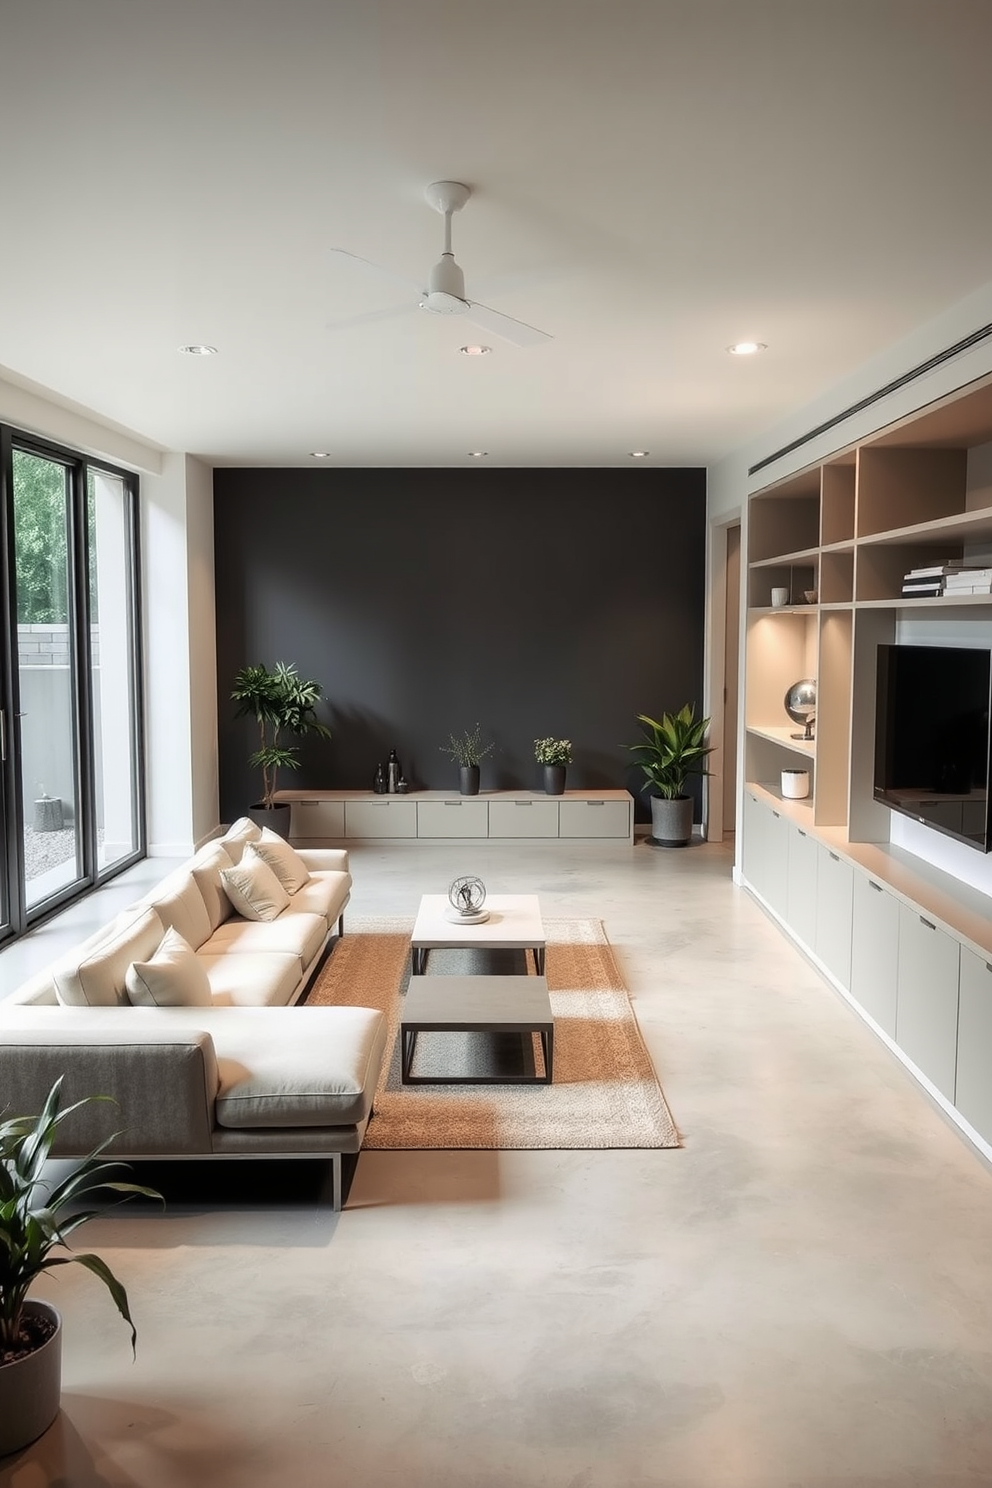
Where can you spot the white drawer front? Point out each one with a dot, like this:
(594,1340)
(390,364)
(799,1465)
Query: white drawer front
(454,818)
(387,817)
(593,819)
(317,819)
(523,818)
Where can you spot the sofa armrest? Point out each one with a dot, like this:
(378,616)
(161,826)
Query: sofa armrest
(324,858)
(163,1080)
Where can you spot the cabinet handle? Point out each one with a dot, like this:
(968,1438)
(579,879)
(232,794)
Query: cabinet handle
(800,831)
(988,966)
(835,856)
(452,803)
(523,803)
(873,885)
(776,813)
(929,923)
(595,803)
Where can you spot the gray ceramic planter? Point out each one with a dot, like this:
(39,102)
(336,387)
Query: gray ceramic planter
(671,821)
(554,780)
(31,1388)
(276,818)
(468,776)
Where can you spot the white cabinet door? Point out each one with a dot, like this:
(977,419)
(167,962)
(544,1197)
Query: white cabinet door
(523,818)
(777,862)
(875,951)
(754,847)
(973,1096)
(800,912)
(386,817)
(594,819)
(317,819)
(927,998)
(835,895)
(454,818)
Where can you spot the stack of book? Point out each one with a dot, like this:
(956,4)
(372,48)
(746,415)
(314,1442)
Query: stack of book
(956,576)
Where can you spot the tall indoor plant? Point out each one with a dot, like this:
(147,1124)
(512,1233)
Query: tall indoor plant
(37,1216)
(673,748)
(281,702)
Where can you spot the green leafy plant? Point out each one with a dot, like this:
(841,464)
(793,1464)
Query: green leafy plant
(672,749)
(467,748)
(37,1216)
(280,702)
(553,751)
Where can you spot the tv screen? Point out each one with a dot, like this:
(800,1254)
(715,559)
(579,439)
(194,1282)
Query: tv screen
(932,737)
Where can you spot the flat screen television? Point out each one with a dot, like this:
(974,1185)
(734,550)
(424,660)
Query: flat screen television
(932,737)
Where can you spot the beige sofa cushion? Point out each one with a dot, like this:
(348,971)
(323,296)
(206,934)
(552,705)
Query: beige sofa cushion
(301,935)
(206,866)
(253,888)
(252,979)
(173,977)
(179,904)
(324,894)
(97,978)
(237,835)
(287,865)
(304,1069)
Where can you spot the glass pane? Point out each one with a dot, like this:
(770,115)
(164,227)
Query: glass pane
(113,682)
(49,760)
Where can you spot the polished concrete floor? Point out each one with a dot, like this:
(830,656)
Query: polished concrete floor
(799,1297)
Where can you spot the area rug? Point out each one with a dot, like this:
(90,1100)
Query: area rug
(605,1091)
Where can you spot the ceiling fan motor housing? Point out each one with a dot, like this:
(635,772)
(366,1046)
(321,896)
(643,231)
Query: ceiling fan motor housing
(446,288)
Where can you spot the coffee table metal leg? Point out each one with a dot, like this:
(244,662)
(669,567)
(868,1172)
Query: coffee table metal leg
(539,959)
(548,1050)
(408,1042)
(418,955)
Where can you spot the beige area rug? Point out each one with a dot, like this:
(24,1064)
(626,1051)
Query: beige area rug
(605,1092)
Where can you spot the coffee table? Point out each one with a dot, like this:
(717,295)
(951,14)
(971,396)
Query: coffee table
(514,923)
(476,1004)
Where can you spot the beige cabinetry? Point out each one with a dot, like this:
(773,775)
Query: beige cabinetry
(455,816)
(380,816)
(523,818)
(875,951)
(606,815)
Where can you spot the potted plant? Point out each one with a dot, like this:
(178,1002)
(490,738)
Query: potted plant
(554,755)
(281,702)
(468,752)
(36,1217)
(672,749)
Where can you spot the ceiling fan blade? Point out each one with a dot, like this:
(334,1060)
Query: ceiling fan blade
(354,261)
(511,330)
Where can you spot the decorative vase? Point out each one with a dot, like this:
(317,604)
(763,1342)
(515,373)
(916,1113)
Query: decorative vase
(276,818)
(671,821)
(468,779)
(554,780)
(31,1387)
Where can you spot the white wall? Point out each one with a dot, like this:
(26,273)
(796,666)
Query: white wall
(32,412)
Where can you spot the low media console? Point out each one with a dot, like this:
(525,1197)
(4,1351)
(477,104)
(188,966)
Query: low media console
(333,816)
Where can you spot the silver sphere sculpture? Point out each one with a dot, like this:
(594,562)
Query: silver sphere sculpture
(800,704)
(467,894)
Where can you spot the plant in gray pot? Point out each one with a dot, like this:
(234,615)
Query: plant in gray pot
(672,749)
(468,751)
(37,1215)
(281,702)
(554,755)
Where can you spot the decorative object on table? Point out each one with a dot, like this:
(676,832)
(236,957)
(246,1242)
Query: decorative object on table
(795,785)
(48,814)
(393,772)
(811,596)
(380,784)
(780,597)
(402,786)
(467,895)
(37,1214)
(673,748)
(281,702)
(800,704)
(554,755)
(468,751)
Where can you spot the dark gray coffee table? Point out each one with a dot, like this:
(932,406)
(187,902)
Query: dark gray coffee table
(477,1004)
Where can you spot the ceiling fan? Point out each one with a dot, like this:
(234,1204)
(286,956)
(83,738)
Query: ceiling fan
(445,291)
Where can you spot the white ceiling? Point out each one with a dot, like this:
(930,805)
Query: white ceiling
(652,179)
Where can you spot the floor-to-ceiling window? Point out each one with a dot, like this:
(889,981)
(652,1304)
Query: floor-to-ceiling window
(71,799)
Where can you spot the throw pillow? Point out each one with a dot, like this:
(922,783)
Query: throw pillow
(97,978)
(172,978)
(253,888)
(287,865)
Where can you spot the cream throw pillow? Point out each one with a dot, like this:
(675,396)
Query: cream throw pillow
(253,888)
(287,865)
(172,978)
(98,979)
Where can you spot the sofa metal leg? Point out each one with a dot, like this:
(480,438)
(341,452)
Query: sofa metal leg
(336,1182)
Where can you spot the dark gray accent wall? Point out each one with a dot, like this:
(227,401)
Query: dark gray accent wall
(534,602)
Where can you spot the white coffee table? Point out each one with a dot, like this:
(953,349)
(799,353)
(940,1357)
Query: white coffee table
(514,923)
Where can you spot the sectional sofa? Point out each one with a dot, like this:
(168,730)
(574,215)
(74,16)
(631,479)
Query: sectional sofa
(181,1009)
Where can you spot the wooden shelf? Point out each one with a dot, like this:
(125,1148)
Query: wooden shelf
(783,736)
(963,527)
(783,560)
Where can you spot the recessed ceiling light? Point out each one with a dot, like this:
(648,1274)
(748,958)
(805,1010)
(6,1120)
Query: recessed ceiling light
(478,454)
(746,348)
(475,350)
(638,454)
(320,454)
(198,350)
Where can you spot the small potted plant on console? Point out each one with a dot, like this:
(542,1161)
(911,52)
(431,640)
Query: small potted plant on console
(554,755)
(468,751)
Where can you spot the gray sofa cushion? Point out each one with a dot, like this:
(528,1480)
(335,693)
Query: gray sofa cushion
(312,1069)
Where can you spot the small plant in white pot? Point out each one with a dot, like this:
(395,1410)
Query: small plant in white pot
(468,751)
(673,748)
(37,1216)
(281,702)
(554,755)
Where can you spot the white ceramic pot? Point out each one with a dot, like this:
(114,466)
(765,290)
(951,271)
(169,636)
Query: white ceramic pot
(31,1388)
(795,785)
